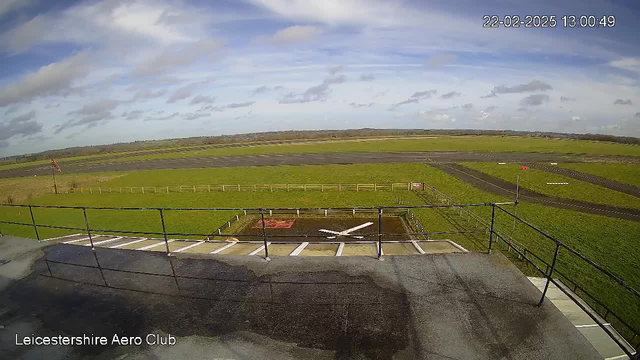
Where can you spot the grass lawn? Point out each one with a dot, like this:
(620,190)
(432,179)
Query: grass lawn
(537,180)
(445,143)
(624,173)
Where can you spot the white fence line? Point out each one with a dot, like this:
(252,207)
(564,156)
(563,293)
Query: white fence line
(241,187)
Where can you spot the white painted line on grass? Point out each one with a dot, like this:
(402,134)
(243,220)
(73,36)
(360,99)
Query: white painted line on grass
(340,249)
(415,244)
(154,245)
(128,243)
(105,241)
(223,248)
(189,246)
(299,249)
(74,241)
(59,237)
(258,249)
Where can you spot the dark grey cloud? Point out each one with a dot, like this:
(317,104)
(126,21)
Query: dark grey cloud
(52,106)
(367,77)
(201,99)
(4,144)
(53,79)
(177,57)
(335,69)
(228,106)
(24,36)
(185,91)
(354,105)
(315,93)
(90,115)
(194,116)
(566,99)
(133,115)
(148,94)
(450,95)
(416,97)
(265,89)
(239,105)
(637,114)
(535,85)
(163,118)
(467,107)
(490,108)
(22,125)
(623,102)
(11,110)
(534,100)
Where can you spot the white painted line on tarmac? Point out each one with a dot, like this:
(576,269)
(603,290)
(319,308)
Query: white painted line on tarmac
(223,248)
(619,357)
(189,246)
(105,241)
(417,246)
(458,246)
(74,241)
(59,237)
(299,249)
(340,249)
(154,245)
(128,243)
(591,325)
(258,249)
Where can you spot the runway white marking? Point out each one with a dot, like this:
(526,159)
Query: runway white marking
(617,357)
(591,325)
(340,249)
(59,237)
(154,245)
(299,249)
(128,243)
(258,249)
(74,241)
(223,248)
(458,246)
(189,246)
(417,246)
(105,241)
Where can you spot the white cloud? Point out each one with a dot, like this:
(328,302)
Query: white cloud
(629,64)
(295,34)
(435,117)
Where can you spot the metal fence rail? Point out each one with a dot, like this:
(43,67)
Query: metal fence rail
(240,188)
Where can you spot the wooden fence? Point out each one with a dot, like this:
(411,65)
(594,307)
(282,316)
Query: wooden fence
(240,188)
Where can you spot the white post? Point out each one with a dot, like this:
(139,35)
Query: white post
(167,189)
(194,188)
(238,187)
(325,212)
(245,212)
(237,218)
(222,188)
(209,188)
(219,232)
(270,212)
(298,212)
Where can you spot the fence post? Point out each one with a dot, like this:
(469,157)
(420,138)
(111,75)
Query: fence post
(264,235)
(493,216)
(379,233)
(209,188)
(164,231)
(86,223)
(33,220)
(553,266)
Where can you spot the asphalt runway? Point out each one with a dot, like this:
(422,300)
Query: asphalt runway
(317,159)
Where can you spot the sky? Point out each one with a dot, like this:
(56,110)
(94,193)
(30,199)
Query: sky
(78,73)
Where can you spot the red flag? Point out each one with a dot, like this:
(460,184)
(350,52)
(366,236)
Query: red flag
(55,165)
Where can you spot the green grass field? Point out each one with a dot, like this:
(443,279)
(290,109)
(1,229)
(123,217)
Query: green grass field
(624,173)
(537,180)
(610,242)
(444,143)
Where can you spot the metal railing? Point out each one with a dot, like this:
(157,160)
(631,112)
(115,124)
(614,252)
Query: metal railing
(239,188)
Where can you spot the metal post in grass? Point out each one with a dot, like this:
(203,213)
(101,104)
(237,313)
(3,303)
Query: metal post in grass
(379,233)
(264,235)
(164,231)
(33,221)
(550,274)
(493,216)
(86,223)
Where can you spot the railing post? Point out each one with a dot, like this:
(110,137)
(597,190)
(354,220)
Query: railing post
(264,235)
(164,231)
(553,266)
(33,221)
(493,216)
(86,223)
(379,233)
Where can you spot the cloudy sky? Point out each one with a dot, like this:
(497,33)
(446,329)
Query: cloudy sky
(98,72)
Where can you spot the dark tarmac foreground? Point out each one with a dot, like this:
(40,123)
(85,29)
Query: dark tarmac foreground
(446,306)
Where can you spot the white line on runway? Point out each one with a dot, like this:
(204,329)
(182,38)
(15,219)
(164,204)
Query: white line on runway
(128,243)
(417,246)
(73,241)
(340,249)
(258,249)
(458,246)
(189,246)
(591,325)
(299,249)
(59,237)
(105,241)
(154,245)
(223,248)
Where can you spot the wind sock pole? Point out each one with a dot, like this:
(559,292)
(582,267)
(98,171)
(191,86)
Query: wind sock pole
(55,186)
(515,212)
